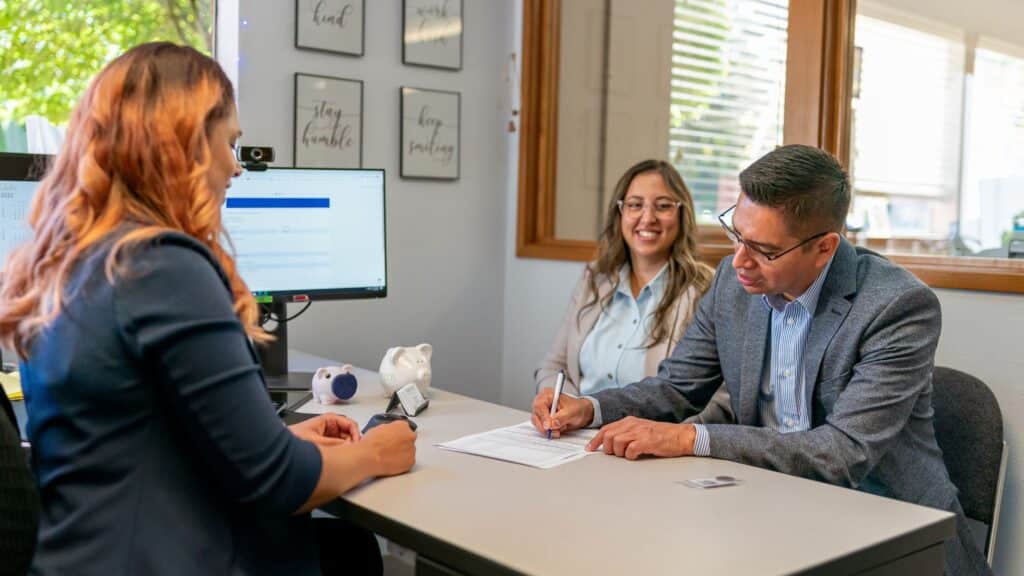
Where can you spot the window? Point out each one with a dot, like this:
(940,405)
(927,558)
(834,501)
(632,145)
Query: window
(958,193)
(50,51)
(937,152)
(728,76)
(993,184)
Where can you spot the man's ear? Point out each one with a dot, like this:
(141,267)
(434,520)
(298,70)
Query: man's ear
(827,246)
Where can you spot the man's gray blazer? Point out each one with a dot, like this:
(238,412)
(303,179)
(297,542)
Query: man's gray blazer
(868,360)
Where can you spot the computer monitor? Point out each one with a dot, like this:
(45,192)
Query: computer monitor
(19,177)
(302,235)
(299,235)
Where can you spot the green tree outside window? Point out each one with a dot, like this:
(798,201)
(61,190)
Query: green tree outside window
(50,50)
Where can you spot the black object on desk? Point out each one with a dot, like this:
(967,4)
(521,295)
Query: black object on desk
(379,419)
(294,400)
(410,399)
(279,398)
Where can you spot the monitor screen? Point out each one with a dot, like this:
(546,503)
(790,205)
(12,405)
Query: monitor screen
(19,178)
(316,233)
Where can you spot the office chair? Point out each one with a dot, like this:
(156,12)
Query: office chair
(969,430)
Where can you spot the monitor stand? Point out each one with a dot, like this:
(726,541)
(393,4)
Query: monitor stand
(274,357)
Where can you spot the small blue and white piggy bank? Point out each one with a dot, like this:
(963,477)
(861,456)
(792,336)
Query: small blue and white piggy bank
(334,384)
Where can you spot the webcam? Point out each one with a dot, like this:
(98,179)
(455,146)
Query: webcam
(255,157)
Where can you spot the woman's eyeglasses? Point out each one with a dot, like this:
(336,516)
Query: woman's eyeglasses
(662,208)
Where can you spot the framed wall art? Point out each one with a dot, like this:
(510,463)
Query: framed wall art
(432,33)
(330,25)
(328,122)
(430,134)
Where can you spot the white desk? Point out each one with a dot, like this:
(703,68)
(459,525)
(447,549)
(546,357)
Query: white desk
(606,515)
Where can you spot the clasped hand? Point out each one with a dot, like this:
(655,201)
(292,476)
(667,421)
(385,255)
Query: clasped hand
(629,438)
(327,430)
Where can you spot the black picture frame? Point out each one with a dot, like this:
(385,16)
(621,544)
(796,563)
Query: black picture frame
(311,41)
(319,126)
(427,54)
(427,118)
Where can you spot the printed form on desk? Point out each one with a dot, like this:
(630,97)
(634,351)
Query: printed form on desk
(522,444)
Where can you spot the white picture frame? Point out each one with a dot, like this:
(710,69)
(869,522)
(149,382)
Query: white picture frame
(430,134)
(432,33)
(335,26)
(328,129)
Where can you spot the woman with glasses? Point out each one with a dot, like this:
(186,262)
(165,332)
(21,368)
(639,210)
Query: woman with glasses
(636,299)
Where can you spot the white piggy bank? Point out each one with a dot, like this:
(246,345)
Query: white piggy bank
(402,365)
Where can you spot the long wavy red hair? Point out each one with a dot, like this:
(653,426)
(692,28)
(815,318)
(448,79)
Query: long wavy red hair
(137,151)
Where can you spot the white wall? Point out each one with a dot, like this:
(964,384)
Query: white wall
(445,239)
(536,291)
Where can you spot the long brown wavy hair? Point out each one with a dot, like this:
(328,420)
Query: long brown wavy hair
(684,270)
(137,152)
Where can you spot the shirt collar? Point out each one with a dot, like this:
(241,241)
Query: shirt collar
(809,299)
(657,284)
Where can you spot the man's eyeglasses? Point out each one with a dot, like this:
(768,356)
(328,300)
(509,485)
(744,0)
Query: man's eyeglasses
(663,207)
(736,239)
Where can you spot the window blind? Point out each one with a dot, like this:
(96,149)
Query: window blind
(728,81)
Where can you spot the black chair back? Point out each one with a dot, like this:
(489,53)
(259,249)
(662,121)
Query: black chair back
(7,410)
(19,497)
(969,429)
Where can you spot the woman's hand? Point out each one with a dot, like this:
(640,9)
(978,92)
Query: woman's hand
(327,430)
(393,447)
(572,414)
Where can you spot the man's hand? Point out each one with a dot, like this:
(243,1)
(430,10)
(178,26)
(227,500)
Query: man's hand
(572,414)
(327,430)
(634,437)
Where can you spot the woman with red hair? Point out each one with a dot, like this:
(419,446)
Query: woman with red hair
(155,446)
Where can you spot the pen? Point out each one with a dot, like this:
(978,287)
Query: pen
(559,382)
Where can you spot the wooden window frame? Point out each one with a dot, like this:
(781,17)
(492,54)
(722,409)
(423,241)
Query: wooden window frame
(817,112)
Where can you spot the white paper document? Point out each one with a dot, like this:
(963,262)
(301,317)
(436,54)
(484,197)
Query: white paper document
(522,444)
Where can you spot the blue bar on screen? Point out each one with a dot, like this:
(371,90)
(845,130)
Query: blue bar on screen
(279,203)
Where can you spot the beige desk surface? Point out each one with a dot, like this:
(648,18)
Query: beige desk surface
(605,515)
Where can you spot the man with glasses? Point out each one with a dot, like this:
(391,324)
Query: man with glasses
(826,349)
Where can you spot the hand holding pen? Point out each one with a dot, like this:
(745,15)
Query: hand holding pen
(570,413)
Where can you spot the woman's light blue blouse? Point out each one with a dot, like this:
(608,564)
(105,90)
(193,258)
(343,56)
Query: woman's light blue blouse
(613,354)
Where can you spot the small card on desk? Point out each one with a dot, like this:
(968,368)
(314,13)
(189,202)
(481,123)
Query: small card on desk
(712,482)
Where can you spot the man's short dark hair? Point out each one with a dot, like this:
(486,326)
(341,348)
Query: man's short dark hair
(807,183)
